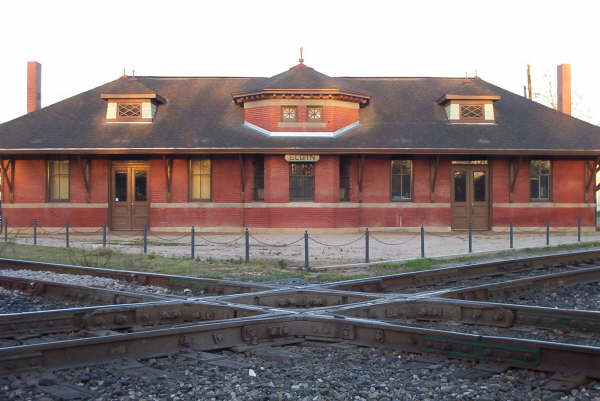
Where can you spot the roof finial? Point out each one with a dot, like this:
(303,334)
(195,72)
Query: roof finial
(301,60)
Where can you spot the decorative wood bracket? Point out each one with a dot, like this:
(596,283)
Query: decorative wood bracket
(591,168)
(8,178)
(168,162)
(513,171)
(433,170)
(86,174)
(242,177)
(361,168)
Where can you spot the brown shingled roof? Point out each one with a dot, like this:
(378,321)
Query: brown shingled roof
(402,117)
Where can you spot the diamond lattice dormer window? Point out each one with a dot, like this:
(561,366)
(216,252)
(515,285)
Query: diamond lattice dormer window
(471,112)
(131,110)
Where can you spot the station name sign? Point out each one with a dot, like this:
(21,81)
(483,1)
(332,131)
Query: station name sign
(302,158)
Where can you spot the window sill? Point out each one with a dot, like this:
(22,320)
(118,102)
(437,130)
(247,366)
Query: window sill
(304,124)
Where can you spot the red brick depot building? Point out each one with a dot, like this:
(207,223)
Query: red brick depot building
(298,150)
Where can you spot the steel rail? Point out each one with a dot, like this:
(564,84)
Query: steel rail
(76,293)
(120,317)
(403,281)
(511,288)
(198,286)
(500,315)
(531,354)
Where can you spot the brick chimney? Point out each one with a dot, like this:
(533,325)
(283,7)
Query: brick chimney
(34,86)
(563,72)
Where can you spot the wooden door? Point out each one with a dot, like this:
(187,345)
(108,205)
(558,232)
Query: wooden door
(130,205)
(470,197)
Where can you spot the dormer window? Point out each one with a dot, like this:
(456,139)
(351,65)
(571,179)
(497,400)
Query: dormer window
(288,113)
(469,108)
(471,112)
(129,110)
(133,108)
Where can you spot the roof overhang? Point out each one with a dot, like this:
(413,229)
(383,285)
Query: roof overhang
(152,96)
(448,96)
(591,153)
(338,94)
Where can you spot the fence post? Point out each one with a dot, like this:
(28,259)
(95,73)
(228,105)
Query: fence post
(578,229)
(104,235)
(67,233)
(422,241)
(145,239)
(247,237)
(511,235)
(5,229)
(547,232)
(193,243)
(470,238)
(34,232)
(306,263)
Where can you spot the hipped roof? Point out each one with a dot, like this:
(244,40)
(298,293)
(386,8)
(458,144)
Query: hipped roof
(199,116)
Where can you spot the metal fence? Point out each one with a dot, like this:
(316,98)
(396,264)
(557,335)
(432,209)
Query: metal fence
(246,240)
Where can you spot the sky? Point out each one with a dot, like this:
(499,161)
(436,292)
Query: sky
(84,44)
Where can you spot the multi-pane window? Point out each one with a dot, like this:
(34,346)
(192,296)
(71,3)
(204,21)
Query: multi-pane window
(314,113)
(129,110)
(345,164)
(302,181)
(401,180)
(540,180)
(200,179)
(471,112)
(288,113)
(259,178)
(58,180)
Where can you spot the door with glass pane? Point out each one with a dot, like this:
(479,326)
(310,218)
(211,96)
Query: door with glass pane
(470,197)
(130,206)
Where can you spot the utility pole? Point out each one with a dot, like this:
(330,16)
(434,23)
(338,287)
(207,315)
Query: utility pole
(529,81)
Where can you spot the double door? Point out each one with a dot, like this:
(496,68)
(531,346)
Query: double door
(470,197)
(130,205)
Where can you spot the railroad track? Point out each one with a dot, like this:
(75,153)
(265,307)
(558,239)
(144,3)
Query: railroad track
(444,312)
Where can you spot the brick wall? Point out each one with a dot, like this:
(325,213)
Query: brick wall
(269,117)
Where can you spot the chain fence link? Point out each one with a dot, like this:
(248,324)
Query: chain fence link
(275,245)
(313,239)
(374,238)
(219,243)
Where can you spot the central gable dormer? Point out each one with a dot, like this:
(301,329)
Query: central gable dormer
(128,101)
(301,102)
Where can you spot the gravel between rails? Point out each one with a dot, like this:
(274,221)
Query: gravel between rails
(579,296)
(316,373)
(13,301)
(88,281)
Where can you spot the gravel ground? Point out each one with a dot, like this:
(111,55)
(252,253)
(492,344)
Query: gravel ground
(580,296)
(383,246)
(17,302)
(311,373)
(88,281)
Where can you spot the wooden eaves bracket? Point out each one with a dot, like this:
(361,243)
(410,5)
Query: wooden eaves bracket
(513,171)
(9,180)
(591,169)
(168,162)
(86,174)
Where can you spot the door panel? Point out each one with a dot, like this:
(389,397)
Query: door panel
(470,197)
(130,207)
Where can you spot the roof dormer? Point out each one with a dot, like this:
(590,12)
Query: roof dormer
(469,103)
(301,102)
(131,102)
